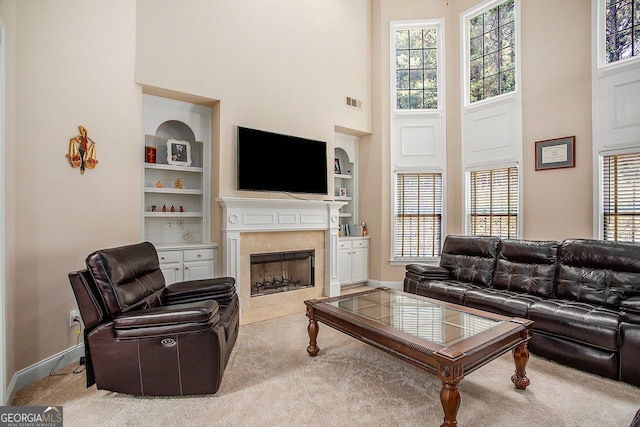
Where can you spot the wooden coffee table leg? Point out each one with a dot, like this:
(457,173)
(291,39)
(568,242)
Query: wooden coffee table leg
(520,356)
(312,329)
(450,398)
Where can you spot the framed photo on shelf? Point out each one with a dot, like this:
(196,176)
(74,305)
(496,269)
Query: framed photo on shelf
(178,152)
(556,153)
(342,192)
(336,166)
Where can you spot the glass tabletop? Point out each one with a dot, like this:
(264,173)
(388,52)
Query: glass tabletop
(425,319)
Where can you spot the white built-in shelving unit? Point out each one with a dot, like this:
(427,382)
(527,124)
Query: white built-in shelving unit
(182,234)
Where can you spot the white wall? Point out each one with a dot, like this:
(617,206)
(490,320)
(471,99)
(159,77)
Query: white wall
(280,65)
(72,65)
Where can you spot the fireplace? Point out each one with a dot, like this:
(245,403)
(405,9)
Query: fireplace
(260,226)
(275,272)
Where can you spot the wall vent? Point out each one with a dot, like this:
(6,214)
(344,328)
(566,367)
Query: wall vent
(353,102)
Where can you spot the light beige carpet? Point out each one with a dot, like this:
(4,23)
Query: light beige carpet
(271,381)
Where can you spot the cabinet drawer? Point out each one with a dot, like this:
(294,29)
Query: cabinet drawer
(198,254)
(342,244)
(360,244)
(169,256)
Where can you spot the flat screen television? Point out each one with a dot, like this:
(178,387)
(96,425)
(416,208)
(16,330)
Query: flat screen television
(269,161)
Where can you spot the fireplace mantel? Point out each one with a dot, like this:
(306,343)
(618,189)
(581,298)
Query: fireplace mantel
(248,215)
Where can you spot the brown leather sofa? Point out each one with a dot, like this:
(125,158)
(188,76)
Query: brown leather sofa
(582,295)
(147,339)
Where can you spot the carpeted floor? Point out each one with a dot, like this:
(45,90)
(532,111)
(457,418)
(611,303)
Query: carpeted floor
(271,381)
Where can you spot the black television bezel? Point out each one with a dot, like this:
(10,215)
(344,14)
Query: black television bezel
(283,189)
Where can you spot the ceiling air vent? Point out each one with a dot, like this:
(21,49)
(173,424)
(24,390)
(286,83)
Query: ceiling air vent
(353,102)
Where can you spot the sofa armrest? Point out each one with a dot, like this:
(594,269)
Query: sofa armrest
(428,272)
(167,320)
(630,310)
(218,288)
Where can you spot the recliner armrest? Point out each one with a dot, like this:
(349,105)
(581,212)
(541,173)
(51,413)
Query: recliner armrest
(630,310)
(167,320)
(218,288)
(428,272)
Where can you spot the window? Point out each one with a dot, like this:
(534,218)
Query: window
(493,202)
(418,215)
(622,29)
(621,197)
(492,52)
(416,52)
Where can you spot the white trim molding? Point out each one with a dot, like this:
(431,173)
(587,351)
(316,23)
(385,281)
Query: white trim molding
(42,369)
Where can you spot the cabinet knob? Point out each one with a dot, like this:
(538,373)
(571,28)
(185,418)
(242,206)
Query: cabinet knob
(199,255)
(161,257)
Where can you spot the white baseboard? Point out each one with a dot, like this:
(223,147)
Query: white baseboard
(393,285)
(41,369)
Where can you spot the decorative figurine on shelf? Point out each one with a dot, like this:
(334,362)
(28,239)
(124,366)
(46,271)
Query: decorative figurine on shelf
(173,209)
(159,184)
(181,208)
(178,183)
(154,208)
(164,208)
(82,151)
(364,228)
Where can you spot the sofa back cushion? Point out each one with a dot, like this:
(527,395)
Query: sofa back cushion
(128,277)
(470,258)
(527,266)
(598,271)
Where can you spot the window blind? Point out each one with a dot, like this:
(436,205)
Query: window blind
(418,215)
(621,197)
(493,202)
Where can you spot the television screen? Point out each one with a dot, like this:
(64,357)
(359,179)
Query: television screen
(270,161)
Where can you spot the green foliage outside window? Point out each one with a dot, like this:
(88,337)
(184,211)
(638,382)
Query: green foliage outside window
(492,52)
(416,69)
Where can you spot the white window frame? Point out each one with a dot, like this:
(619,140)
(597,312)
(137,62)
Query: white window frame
(467,214)
(614,133)
(443,222)
(438,25)
(465,56)
(601,40)
(599,189)
(417,137)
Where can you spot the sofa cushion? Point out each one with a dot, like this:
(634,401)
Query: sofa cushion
(470,258)
(598,272)
(589,324)
(507,303)
(527,266)
(445,290)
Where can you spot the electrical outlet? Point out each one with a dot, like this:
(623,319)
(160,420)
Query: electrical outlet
(169,225)
(180,224)
(74,317)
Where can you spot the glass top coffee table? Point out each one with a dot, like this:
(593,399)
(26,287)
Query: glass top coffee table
(445,339)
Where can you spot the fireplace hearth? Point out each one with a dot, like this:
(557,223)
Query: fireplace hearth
(282,271)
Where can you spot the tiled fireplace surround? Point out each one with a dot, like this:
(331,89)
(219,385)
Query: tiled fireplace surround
(252,226)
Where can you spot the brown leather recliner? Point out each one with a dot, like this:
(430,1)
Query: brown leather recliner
(147,339)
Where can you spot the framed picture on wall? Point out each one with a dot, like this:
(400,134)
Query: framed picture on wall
(336,166)
(178,152)
(556,153)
